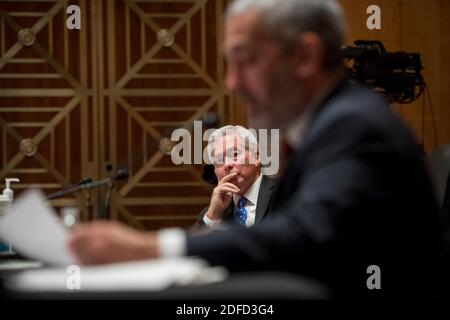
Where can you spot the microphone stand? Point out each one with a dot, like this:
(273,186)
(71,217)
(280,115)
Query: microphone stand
(61,192)
(119,175)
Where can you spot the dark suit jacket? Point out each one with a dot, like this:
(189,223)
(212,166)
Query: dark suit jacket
(355,193)
(262,207)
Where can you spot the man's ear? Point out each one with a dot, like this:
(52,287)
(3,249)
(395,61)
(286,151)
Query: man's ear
(309,54)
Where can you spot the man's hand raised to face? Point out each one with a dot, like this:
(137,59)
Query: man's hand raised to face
(108,242)
(221,197)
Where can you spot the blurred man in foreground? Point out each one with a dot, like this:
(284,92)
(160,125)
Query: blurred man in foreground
(354,191)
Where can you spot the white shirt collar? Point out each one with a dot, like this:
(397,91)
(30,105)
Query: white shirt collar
(295,132)
(252,193)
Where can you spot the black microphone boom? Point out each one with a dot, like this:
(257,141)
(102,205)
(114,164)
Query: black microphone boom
(119,175)
(58,193)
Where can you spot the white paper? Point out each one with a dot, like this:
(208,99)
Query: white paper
(146,275)
(34,230)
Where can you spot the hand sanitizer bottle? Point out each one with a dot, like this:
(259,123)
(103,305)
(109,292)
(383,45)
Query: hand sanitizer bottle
(5,204)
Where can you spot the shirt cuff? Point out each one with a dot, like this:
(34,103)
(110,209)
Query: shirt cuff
(211,223)
(172,242)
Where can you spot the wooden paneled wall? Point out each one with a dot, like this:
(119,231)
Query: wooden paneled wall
(79,103)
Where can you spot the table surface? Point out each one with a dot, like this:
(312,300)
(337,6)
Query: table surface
(257,285)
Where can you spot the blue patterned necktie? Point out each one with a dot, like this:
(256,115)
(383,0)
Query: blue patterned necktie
(240,214)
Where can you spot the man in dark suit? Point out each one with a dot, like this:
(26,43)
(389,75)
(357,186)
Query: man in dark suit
(263,204)
(354,206)
(239,180)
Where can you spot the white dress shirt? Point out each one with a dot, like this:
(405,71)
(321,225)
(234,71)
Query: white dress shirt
(296,130)
(250,206)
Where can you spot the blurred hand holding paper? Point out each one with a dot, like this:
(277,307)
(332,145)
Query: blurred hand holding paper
(34,230)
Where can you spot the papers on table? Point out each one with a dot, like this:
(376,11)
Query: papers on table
(34,230)
(17,265)
(147,275)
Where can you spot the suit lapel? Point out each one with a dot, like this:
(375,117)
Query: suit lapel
(292,171)
(263,202)
(264,198)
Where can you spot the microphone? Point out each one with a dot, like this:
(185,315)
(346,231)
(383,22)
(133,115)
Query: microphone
(61,192)
(89,184)
(83,181)
(119,175)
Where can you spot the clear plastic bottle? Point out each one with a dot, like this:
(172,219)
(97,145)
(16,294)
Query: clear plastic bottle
(6,199)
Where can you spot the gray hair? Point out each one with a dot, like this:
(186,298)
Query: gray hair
(285,19)
(246,135)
